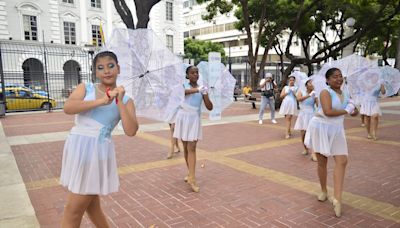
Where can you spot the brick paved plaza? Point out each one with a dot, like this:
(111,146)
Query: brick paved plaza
(252,176)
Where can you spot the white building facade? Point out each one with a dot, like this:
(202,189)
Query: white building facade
(49,44)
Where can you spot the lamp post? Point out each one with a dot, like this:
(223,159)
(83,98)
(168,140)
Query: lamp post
(229,58)
(349,31)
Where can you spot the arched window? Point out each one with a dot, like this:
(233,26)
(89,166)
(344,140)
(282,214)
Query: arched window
(72,76)
(33,74)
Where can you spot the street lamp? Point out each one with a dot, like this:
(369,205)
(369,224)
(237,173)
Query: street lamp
(349,31)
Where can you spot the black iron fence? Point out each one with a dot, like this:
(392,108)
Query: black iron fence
(37,76)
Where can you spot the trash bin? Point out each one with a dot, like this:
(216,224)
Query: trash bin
(2,108)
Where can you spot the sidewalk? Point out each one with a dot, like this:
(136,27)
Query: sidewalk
(251,175)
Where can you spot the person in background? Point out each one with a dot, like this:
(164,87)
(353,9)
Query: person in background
(289,104)
(268,87)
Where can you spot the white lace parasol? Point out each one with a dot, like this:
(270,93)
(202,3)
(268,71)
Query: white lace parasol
(151,74)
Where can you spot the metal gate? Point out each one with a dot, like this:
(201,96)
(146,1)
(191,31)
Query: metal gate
(37,76)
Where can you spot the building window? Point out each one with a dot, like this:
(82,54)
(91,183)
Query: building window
(95,3)
(169,11)
(186,34)
(69,33)
(96,36)
(30,27)
(68,1)
(170,42)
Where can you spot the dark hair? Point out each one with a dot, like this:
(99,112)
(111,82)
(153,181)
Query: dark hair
(104,54)
(291,76)
(308,80)
(187,70)
(330,72)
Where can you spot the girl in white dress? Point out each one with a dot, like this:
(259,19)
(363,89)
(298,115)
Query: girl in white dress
(325,135)
(89,166)
(188,121)
(370,109)
(307,102)
(289,104)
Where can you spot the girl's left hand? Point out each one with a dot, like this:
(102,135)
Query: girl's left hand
(121,92)
(354,113)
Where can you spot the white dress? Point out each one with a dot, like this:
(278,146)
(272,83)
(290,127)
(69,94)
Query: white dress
(188,121)
(306,112)
(89,165)
(369,103)
(289,103)
(325,135)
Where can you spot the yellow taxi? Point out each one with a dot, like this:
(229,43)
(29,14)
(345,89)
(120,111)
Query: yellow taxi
(22,98)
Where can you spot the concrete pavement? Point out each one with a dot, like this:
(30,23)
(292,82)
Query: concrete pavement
(251,175)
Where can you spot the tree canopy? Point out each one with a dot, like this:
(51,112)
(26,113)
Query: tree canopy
(198,49)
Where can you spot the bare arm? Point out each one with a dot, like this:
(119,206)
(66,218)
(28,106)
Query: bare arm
(75,103)
(191,91)
(128,117)
(207,102)
(326,103)
(383,90)
(262,83)
(283,93)
(300,97)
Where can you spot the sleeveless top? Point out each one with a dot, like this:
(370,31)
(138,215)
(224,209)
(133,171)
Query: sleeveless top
(106,115)
(336,104)
(290,93)
(193,99)
(307,104)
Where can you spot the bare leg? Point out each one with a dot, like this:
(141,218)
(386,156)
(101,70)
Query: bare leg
(185,153)
(362,120)
(192,165)
(338,176)
(368,126)
(172,141)
(95,213)
(288,119)
(374,126)
(303,135)
(73,211)
(322,171)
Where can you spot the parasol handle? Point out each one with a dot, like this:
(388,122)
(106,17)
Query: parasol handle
(142,75)
(108,95)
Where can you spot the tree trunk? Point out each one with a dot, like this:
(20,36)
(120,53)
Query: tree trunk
(143,8)
(125,13)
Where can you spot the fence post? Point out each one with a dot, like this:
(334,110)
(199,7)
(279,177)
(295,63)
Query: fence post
(3,88)
(46,74)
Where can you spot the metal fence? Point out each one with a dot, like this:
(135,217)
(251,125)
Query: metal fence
(37,76)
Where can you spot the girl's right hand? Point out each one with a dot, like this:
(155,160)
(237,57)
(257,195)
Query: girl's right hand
(109,97)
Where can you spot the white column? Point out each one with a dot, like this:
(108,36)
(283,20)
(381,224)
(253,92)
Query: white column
(84,28)
(109,18)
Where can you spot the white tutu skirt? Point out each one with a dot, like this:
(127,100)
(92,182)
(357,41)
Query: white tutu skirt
(89,167)
(188,124)
(288,106)
(326,138)
(370,108)
(303,119)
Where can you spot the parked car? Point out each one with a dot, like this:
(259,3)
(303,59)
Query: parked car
(22,98)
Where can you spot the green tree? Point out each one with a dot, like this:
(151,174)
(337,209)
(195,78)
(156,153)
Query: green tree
(305,20)
(198,49)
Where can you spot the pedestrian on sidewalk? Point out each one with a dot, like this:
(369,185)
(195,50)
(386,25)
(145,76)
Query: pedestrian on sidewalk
(289,104)
(307,100)
(268,87)
(325,135)
(188,121)
(89,167)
